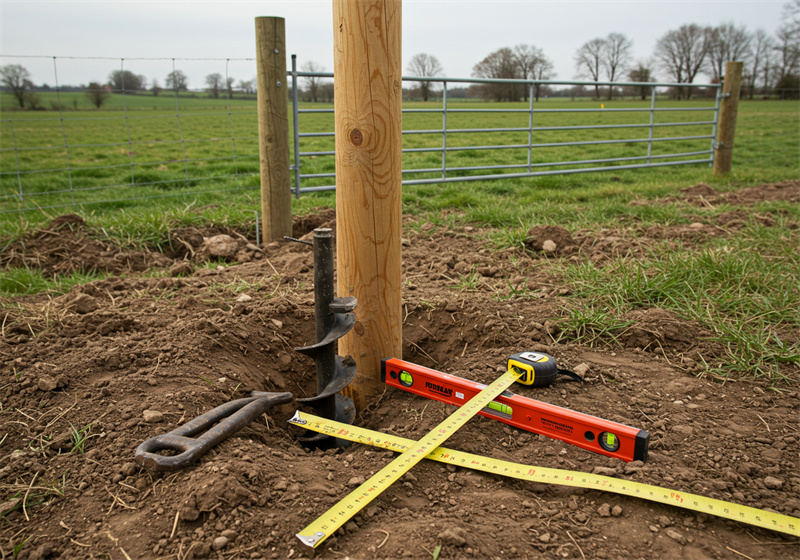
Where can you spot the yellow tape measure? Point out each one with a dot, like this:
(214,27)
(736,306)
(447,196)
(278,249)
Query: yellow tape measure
(331,520)
(744,514)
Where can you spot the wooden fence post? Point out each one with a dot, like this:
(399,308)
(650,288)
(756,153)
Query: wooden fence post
(273,129)
(729,107)
(368,100)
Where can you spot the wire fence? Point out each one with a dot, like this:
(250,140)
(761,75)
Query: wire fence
(135,144)
(152,143)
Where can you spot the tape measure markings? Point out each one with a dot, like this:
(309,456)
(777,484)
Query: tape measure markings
(415,451)
(719,508)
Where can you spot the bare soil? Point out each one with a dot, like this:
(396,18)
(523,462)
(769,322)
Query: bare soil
(137,354)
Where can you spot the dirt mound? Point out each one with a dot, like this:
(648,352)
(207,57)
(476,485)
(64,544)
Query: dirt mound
(67,245)
(87,376)
(701,189)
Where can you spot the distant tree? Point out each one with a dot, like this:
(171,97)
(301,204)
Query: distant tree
(177,81)
(726,43)
(787,42)
(97,94)
(532,64)
(791,16)
(215,83)
(681,53)
(142,82)
(616,57)
(155,88)
(589,61)
(16,79)
(326,92)
(424,65)
(124,80)
(760,51)
(498,65)
(312,83)
(642,72)
(229,83)
(247,86)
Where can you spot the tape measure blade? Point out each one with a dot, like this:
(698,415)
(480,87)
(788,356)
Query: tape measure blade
(576,479)
(339,514)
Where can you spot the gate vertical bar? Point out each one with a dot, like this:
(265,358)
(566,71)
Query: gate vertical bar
(715,126)
(652,121)
(444,130)
(530,127)
(296,131)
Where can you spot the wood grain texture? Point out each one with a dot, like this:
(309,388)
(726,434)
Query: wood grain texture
(729,107)
(368,101)
(273,129)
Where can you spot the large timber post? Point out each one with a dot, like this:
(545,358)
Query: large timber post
(368,100)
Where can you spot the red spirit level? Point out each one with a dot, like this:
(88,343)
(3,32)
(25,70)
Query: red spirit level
(588,432)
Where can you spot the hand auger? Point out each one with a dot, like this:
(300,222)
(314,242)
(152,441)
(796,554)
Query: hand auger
(334,319)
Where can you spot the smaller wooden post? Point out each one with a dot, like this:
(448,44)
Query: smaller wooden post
(273,129)
(729,107)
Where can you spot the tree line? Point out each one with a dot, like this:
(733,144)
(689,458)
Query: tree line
(16,80)
(770,62)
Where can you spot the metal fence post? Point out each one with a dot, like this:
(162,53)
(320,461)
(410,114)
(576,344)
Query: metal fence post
(296,131)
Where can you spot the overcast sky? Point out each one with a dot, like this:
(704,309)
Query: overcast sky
(458,33)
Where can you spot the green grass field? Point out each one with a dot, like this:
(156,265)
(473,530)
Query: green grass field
(204,149)
(748,298)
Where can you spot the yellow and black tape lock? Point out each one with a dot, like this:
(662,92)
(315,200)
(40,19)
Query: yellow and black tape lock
(743,514)
(326,524)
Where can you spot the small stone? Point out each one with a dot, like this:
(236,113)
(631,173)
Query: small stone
(221,246)
(229,534)
(219,543)
(581,369)
(47,383)
(243,298)
(581,517)
(277,323)
(545,538)
(351,527)
(773,483)
(356,481)
(654,529)
(604,471)
(696,225)
(616,511)
(604,510)
(128,469)
(549,246)
(152,416)
(676,536)
(664,521)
